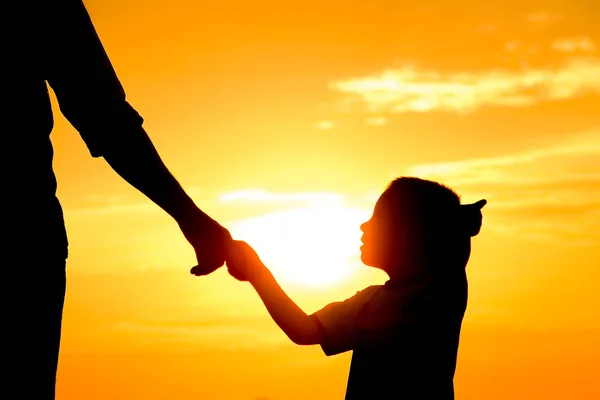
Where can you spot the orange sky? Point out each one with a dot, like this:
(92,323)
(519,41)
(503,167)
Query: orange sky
(284,120)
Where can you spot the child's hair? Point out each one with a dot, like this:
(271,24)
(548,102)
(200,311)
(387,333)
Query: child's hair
(436,224)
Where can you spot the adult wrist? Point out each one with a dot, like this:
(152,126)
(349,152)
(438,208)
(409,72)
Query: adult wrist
(187,212)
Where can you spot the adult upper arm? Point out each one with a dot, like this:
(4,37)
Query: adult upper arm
(79,71)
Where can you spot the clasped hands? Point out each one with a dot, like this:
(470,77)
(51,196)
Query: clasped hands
(214,245)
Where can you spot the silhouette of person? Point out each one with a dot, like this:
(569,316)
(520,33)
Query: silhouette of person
(55,43)
(404,334)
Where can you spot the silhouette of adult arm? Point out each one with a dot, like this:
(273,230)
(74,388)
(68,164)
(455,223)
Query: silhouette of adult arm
(244,264)
(93,100)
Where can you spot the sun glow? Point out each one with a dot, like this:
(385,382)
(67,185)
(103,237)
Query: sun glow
(314,245)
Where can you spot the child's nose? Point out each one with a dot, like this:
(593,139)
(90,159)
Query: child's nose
(363,226)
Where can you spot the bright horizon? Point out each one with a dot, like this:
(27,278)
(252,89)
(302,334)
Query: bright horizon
(285,124)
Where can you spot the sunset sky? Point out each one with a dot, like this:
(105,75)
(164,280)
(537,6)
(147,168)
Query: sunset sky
(285,121)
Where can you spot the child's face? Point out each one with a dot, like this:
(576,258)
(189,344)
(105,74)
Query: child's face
(382,236)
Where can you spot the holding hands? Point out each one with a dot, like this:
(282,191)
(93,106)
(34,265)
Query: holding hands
(214,246)
(243,263)
(209,239)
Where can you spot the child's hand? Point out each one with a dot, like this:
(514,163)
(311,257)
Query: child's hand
(242,261)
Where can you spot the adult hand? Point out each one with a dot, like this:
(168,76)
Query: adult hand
(210,241)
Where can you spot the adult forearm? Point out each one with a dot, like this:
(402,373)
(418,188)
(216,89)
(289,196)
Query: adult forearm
(137,162)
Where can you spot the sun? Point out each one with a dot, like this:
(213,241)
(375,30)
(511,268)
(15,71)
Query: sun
(315,245)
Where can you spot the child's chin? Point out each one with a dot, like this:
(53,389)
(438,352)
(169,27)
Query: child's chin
(368,261)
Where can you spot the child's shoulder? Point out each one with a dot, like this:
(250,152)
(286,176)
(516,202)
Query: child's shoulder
(363,296)
(369,291)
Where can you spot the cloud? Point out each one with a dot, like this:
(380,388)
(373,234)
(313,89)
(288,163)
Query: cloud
(91,205)
(241,332)
(547,194)
(376,121)
(101,205)
(409,89)
(574,44)
(264,196)
(586,144)
(543,17)
(325,125)
(523,47)
(94,205)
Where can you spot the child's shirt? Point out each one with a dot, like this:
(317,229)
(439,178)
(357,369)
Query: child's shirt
(404,339)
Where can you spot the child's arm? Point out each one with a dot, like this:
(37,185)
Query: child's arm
(301,328)
(245,265)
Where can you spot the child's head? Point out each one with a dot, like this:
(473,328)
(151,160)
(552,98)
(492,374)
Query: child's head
(418,226)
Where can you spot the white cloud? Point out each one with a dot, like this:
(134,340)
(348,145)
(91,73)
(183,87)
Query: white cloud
(410,89)
(575,44)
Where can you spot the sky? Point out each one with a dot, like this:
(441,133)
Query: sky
(285,121)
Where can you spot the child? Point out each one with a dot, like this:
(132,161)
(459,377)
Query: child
(404,334)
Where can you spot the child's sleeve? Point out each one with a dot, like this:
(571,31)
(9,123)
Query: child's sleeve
(339,322)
